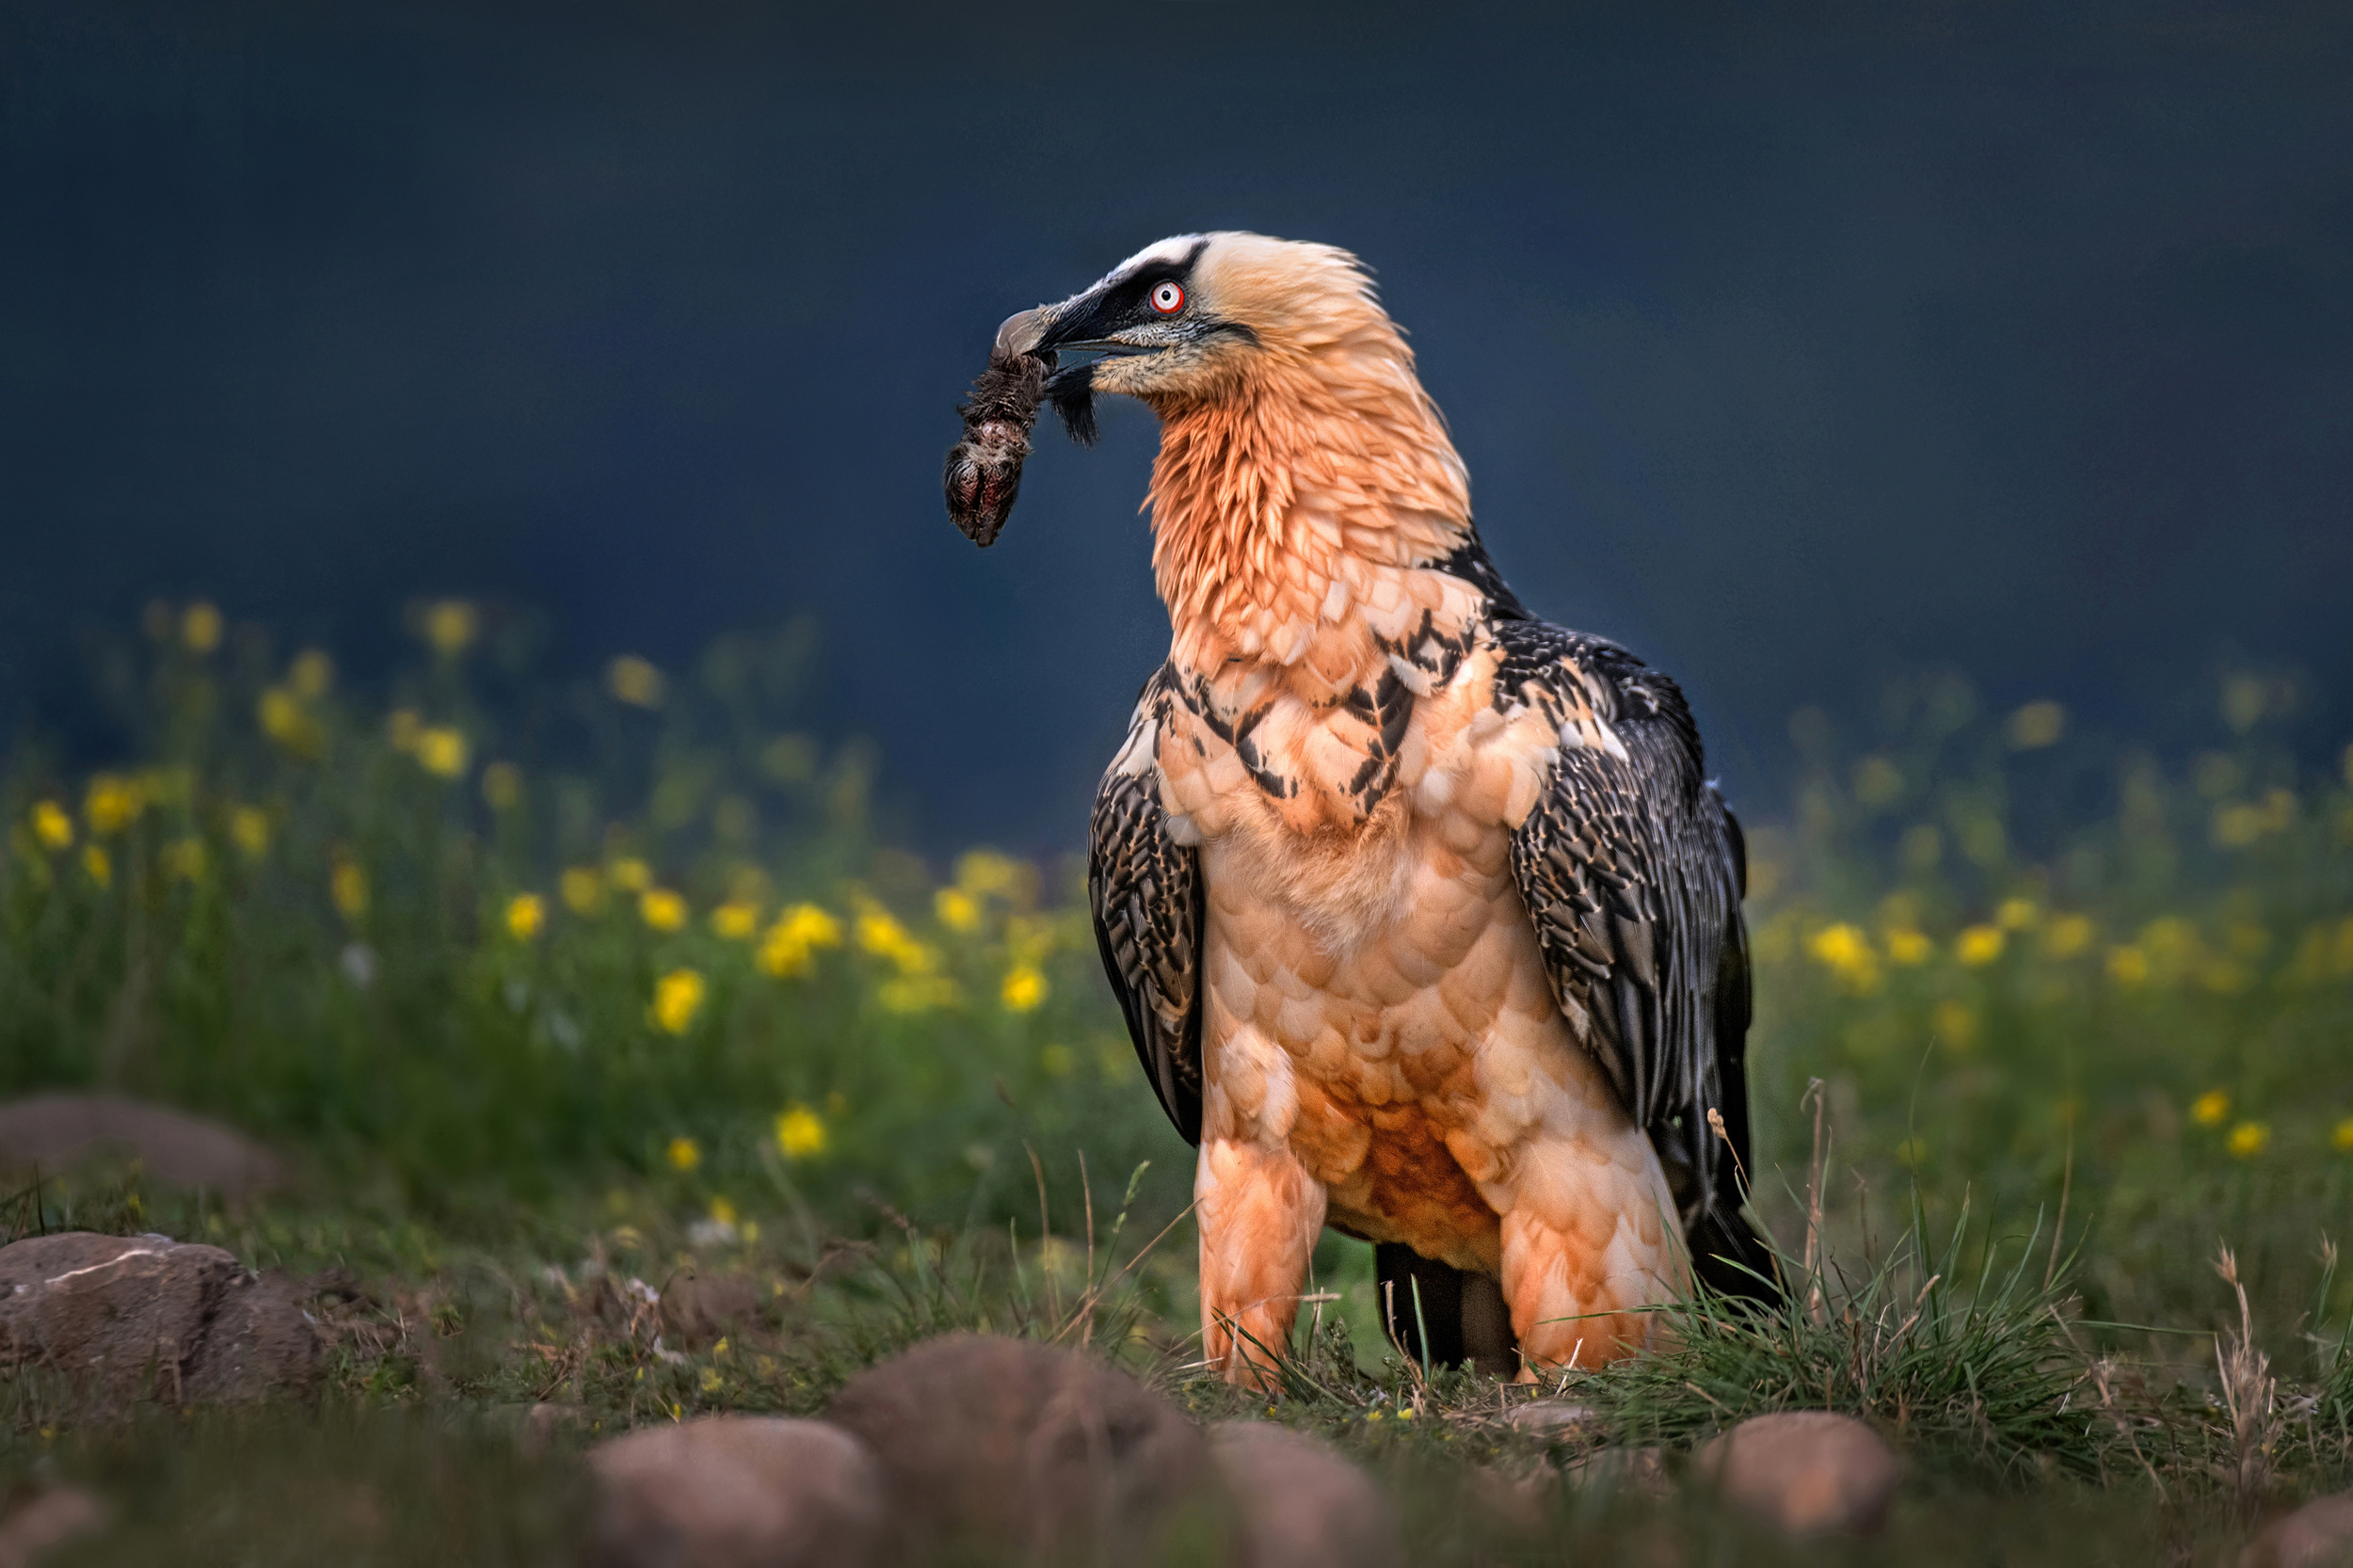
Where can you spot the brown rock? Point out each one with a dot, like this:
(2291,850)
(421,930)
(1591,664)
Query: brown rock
(1301,1505)
(2319,1535)
(1808,1471)
(57,1131)
(121,1318)
(697,1308)
(737,1492)
(1016,1444)
(31,1528)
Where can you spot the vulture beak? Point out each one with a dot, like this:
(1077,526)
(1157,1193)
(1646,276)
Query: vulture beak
(1021,334)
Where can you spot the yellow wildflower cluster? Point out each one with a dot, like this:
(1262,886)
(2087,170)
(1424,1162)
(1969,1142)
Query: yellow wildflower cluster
(678,997)
(347,884)
(441,749)
(635,682)
(250,831)
(662,909)
(918,985)
(2211,1107)
(1845,952)
(683,1154)
(52,825)
(790,946)
(112,803)
(1980,945)
(630,875)
(735,920)
(582,890)
(200,628)
(526,916)
(2247,1140)
(801,1132)
(450,626)
(503,786)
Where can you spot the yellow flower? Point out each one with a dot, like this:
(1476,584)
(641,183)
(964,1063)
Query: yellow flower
(2015,914)
(790,943)
(632,875)
(662,909)
(1024,989)
(684,1154)
(723,1211)
(101,867)
(285,720)
(112,804)
(348,887)
(2128,965)
(503,786)
(248,829)
(2343,1138)
(2209,1109)
(1845,952)
(2247,1140)
(2067,936)
(1907,947)
(1980,945)
(800,1132)
(526,916)
(634,681)
(312,673)
(984,871)
(441,751)
(677,998)
(2036,725)
(184,859)
(916,993)
(50,825)
(959,910)
(1956,1024)
(450,626)
(879,933)
(735,920)
(582,890)
(200,627)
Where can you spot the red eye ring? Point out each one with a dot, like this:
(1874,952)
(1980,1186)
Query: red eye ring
(1168,297)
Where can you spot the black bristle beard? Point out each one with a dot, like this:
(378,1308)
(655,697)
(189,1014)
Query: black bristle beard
(1072,392)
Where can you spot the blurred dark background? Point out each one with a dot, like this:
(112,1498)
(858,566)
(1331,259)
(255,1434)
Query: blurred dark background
(1792,349)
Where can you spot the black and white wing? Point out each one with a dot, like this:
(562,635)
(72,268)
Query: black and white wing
(1633,872)
(1146,895)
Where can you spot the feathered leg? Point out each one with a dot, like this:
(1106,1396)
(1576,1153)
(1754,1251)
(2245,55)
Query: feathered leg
(1259,1213)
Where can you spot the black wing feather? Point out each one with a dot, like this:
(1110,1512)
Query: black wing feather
(1633,871)
(1146,895)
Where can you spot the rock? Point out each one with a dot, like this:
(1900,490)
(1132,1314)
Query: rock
(737,1492)
(1020,1445)
(1301,1505)
(2319,1535)
(46,1520)
(122,1318)
(57,1131)
(1549,1416)
(1808,1471)
(698,1308)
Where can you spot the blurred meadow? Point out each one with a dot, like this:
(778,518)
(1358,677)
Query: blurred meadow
(565,1000)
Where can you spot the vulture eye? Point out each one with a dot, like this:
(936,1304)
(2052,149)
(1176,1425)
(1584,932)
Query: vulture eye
(1168,297)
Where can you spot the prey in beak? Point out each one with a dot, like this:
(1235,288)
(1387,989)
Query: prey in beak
(1153,333)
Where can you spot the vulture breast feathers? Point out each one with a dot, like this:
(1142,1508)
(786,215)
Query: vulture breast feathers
(1632,873)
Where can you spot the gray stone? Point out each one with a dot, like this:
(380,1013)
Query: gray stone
(56,1132)
(125,1317)
(1807,1471)
(1299,1504)
(1019,1445)
(737,1492)
(698,1308)
(36,1525)
(2319,1535)
(1551,1416)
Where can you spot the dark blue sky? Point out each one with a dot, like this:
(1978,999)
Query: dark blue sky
(1788,351)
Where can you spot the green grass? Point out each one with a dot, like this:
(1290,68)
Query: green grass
(2077,1015)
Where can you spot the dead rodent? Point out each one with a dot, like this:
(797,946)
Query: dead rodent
(984,469)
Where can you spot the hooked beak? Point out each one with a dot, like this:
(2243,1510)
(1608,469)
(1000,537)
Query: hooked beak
(1022,333)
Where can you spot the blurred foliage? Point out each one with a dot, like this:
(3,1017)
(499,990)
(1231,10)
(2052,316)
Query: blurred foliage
(488,936)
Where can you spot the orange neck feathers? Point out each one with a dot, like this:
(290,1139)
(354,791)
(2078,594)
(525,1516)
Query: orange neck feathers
(1289,508)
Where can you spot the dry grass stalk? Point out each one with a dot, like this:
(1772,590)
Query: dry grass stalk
(2249,1393)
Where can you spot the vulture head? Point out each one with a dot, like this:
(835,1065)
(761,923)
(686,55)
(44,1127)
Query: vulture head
(1191,319)
(1192,323)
